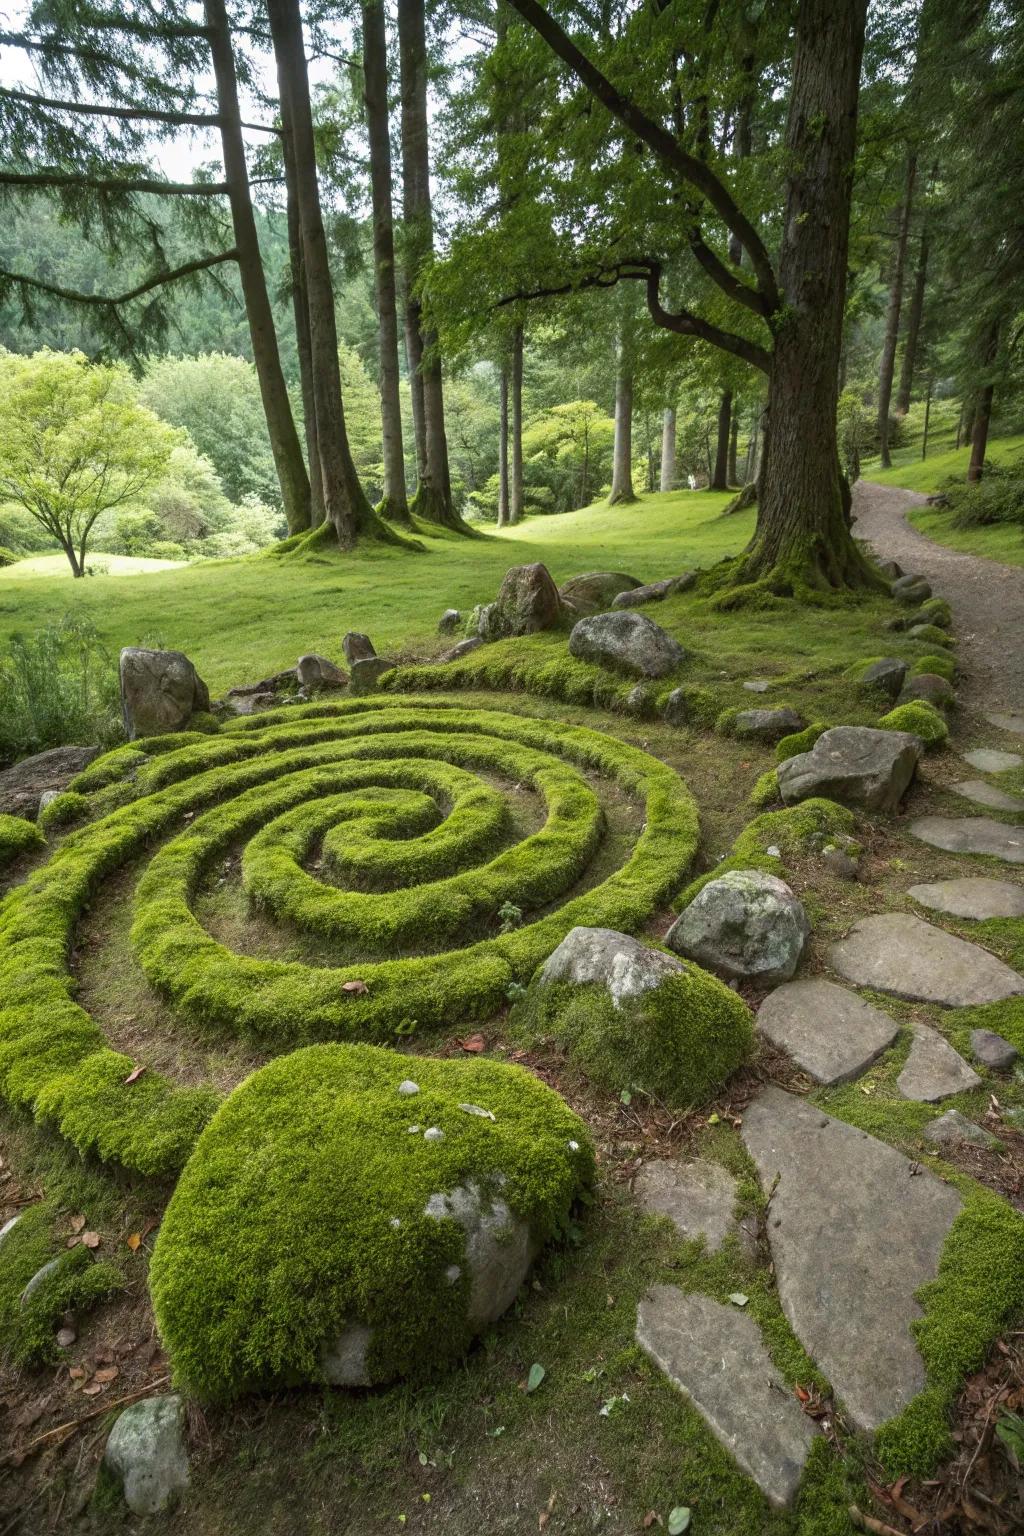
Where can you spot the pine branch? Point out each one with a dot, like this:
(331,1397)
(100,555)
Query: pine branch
(62,179)
(128,114)
(114,301)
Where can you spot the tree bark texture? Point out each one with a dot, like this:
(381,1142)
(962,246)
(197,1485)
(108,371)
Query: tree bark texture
(668,450)
(622,449)
(516,482)
(983,409)
(394,505)
(504,513)
(303,336)
(284,439)
(720,473)
(887,364)
(914,317)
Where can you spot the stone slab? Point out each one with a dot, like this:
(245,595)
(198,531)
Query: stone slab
(830,1032)
(953,1128)
(898,953)
(988,760)
(992,1050)
(971,834)
(976,898)
(989,795)
(698,1198)
(1013,724)
(714,1354)
(854,1236)
(934,1070)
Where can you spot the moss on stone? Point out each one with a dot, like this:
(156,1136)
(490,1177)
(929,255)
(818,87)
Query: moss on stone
(77,1283)
(302,1212)
(936,611)
(64,810)
(930,634)
(766,790)
(791,831)
(939,666)
(921,720)
(17,836)
(799,741)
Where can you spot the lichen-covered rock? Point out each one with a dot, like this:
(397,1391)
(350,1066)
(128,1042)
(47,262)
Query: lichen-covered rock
(527,602)
(315,671)
(23,786)
(746,925)
(357,647)
(765,724)
(595,591)
(854,765)
(160,691)
(329,1227)
(146,1452)
(911,589)
(367,673)
(621,964)
(449,621)
(629,642)
(886,675)
(928,688)
(464,648)
(676,709)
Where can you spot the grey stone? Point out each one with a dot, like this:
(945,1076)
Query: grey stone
(630,642)
(757,685)
(595,591)
(830,1032)
(23,786)
(343,1362)
(891,569)
(988,795)
(408,1087)
(854,765)
(853,1236)
(464,648)
(910,589)
(840,863)
(357,647)
(928,688)
(971,834)
(886,675)
(315,671)
(640,702)
(953,1127)
(527,602)
(1012,724)
(366,674)
(974,898)
(498,1251)
(714,1354)
(252,703)
(39,1279)
(988,760)
(898,953)
(449,621)
(160,691)
(677,709)
(744,925)
(766,724)
(992,1050)
(933,1069)
(483,622)
(653,592)
(146,1450)
(699,1199)
(622,965)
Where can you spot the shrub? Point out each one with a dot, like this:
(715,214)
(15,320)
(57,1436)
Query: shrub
(921,720)
(678,1042)
(59,685)
(997,498)
(7,557)
(303,1213)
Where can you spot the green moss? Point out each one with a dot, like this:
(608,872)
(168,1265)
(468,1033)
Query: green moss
(938,666)
(799,741)
(702,705)
(17,836)
(921,720)
(64,810)
(303,1212)
(77,1283)
(935,611)
(792,831)
(678,1043)
(766,790)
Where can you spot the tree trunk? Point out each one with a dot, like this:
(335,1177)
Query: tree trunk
(345,503)
(516,486)
(284,439)
(983,409)
(927,416)
(914,316)
(802,540)
(734,445)
(668,450)
(720,474)
(892,315)
(394,504)
(504,517)
(622,450)
(303,337)
(433,500)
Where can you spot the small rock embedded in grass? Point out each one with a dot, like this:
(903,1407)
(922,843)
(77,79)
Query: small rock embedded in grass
(146,1451)
(408,1087)
(971,834)
(992,1050)
(953,1128)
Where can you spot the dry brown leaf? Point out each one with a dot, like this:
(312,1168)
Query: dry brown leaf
(91,1239)
(76,1373)
(93,1389)
(109,1373)
(72,1241)
(542,1519)
(134,1240)
(473,1043)
(354,986)
(134,1075)
(77,1223)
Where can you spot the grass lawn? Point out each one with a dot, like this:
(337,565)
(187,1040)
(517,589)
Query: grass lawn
(101,565)
(242,619)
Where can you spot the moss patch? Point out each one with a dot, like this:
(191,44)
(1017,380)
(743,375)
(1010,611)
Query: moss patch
(17,836)
(792,831)
(921,720)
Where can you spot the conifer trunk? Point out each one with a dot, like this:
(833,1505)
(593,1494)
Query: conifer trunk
(504,515)
(667,480)
(303,336)
(516,483)
(983,409)
(284,439)
(622,448)
(914,317)
(720,472)
(887,365)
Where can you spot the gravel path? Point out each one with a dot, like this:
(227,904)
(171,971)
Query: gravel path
(987,598)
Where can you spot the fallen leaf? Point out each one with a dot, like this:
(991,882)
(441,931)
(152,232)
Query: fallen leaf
(72,1241)
(134,1240)
(536,1376)
(678,1520)
(358,987)
(652,1517)
(91,1239)
(76,1373)
(134,1075)
(802,1393)
(109,1373)
(77,1223)
(93,1389)
(473,1043)
(542,1519)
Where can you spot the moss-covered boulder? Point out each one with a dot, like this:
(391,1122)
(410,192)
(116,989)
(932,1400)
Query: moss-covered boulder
(352,1215)
(636,1019)
(918,719)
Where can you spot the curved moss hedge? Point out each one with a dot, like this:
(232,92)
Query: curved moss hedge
(351,1193)
(395,799)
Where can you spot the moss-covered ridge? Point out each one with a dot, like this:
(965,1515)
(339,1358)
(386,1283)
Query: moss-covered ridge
(344,773)
(303,1213)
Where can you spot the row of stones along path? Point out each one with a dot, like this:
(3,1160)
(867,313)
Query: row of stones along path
(854,1227)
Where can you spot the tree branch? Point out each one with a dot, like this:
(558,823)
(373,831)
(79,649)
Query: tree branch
(668,149)
(56,179)
(113,301)
(128,114)
(731,285)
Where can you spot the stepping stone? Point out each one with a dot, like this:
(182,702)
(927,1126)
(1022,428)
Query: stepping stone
(992,1050)
(953,1128)
(934,1070)
(699,1198)
(988,760)
(989,795)
(853,1237)
(715,1356)
(971,834)
(969,897)
(1014,724)
(898,953)
(831,1033)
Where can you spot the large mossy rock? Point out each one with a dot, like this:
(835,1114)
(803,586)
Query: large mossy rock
(746,926)
(527,602)
(352,1215)
(627,641)
(160,691)
(635,1018)
(595,591)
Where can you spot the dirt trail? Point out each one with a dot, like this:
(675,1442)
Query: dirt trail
(987,598)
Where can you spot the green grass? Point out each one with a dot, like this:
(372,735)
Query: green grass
(56,567)
(242,619)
